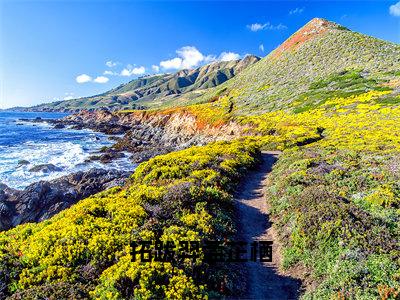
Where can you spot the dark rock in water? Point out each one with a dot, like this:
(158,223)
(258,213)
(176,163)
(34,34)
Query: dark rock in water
(114,138)
(59,126)
(78,127)
(23,162)
(38,118)
(92,158)
(110,156)
(41,200)
(104,149)
(46,168)
(107,156)
(80,165)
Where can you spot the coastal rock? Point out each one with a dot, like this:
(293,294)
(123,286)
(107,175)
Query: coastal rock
(23,162)
(147,135)
(45,168)
(59,126)
(41,200)
(108,156)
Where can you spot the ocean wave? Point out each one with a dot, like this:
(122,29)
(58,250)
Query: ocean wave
(68,156)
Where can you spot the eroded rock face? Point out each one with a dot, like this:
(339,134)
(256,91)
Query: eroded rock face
(41,200)
(147,135)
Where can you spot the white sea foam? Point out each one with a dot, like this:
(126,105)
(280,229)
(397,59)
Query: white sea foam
(39,143)
(69,156)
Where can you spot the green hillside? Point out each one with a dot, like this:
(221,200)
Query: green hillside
(321,60)
(154,90)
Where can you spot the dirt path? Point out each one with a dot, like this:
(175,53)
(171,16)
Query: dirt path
(263,279)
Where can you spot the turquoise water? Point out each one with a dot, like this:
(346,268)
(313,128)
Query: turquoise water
(39,143)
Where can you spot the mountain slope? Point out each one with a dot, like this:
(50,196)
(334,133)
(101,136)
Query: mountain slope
(157,88)
(320,58)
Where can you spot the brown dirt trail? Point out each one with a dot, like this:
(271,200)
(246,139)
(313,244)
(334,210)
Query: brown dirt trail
(263,280)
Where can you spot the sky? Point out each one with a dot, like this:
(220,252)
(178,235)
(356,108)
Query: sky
(55,50)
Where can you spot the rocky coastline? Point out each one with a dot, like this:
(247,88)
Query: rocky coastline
(143,136)
(146,135)
(41,200)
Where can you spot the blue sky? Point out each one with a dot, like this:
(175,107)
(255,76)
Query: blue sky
(54,50)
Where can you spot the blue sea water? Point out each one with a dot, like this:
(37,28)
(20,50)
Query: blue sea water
(40,143)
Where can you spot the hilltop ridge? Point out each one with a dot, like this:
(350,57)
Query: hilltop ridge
(315,27)
(320,60)
(313,64)
(155,89)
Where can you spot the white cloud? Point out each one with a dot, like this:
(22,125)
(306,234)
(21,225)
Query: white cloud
(155,68)
(261,47)
(280,26)
(108,72)
(111,63)
(191,57)
(227,56)
(131,71)
(296,11)
(210,58)
(125,72)
(256,27)
(394,9)
(188,57)
(83,78)
(266,26)
(175,63)
(101,79)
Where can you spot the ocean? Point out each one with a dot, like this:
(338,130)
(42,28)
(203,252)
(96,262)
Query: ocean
(40,143)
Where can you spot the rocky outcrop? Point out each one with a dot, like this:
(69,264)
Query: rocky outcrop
(45,168)
(150,134)
(41,200)
(86,119)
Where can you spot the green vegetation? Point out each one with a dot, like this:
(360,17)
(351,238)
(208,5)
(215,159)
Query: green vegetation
(338,216)
(85,250)
(331,103)
(335,197)
(158,90)
(347,60)
(343,84)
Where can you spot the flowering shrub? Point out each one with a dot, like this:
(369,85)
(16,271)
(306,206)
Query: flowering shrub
(184,195)
(358,122)
(337,212)
(334,193)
